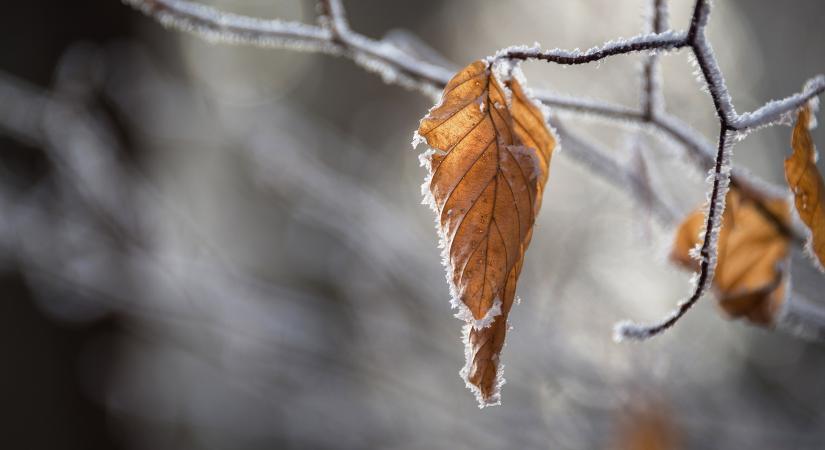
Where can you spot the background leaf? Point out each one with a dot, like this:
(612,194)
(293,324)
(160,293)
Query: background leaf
(806,184)
(750,278)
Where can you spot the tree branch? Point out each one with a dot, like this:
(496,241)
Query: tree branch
(773,111)
(699,151)
(393,65)
(720,179)
(396,66)
(215,25)
(707,252)
(706,60)
(664,41)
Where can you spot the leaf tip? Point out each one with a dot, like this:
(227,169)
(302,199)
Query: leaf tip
(493,398)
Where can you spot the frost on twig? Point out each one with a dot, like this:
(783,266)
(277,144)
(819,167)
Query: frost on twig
(401,67)
(666,40)
(215,25)
(706,254)
(778,110)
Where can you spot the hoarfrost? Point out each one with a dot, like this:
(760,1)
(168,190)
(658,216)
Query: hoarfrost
(708,252)
(495,398)
(219,26)
(504,52)
(777,111)
(417,139)
(664,41)
(502,70)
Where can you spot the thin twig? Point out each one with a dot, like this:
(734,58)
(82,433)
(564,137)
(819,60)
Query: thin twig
(396,66)
(213,24)
(700,152)
(775,110)
(380,56)
(707,253)
(652,101)
(667,40)
(720,179)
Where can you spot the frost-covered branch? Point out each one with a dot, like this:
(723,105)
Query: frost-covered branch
(666,40)
(397,66)
(705,58)
(720,176)
(219,26)
(775,110)
(719,179)
(392,64)
(719,184)
(707,254)
(663,124)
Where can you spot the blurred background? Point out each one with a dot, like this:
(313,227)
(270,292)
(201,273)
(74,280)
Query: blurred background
(219,247)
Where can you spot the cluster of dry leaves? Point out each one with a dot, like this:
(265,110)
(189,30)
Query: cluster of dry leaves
(490,150)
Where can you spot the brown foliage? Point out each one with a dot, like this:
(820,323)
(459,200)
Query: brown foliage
(805,182)
(489,164)
(750,280)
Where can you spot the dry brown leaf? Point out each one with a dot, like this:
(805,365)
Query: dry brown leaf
(806,184)
(487,167)
(750,280)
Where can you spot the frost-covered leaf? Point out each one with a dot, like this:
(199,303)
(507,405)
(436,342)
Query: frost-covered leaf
(751,273)
(806,184)
(489,155)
